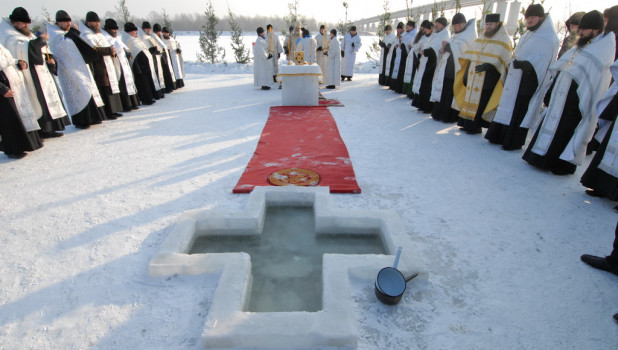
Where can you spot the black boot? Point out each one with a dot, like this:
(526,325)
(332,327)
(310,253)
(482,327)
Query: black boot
(599,263)
(616,317)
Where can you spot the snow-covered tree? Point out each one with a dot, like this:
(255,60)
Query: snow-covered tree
(209,37)
(241,54)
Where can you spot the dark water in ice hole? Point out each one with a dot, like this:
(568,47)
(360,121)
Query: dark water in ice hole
(287,259)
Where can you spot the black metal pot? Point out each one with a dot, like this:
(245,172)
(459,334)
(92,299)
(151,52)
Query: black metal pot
(390,283)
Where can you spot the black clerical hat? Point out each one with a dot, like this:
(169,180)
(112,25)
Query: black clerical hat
(492,18)
(165,30)
(92,17)
(353,28)
(110,24)
(426,24)
(260,30)
(156,28)
(575,18)
(62,16)
(459,18)
(535,10)
(400,25)
(20,15)
(146,25)
(129,27)
(592,20)
(442,21)
(411,24)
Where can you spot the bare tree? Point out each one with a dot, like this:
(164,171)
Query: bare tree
(123,10)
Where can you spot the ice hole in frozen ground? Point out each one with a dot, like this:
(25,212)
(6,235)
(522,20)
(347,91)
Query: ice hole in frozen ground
(352,244)
(286,257)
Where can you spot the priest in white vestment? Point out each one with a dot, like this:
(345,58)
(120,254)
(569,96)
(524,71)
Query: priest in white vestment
(83,101)
(104,67)
(18,121)
(262,66)
(527,72)
(430,54)
(579,78)
(126,83)
(445,108)
(274,48)
(386,45)
(308,45)
(16,37)
(349,47)
(333,62)
(142,64)
(322,39)
(175,52)
(166,61)
(155,51)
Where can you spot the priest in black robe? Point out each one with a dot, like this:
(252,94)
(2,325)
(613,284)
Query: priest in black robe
(141,65)
(559,143)
(15,139)
(50,127)
(113,104)
(129,102)
(170,82)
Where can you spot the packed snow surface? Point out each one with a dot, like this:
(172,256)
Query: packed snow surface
(83,216)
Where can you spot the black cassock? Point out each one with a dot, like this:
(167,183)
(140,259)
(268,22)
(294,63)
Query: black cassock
(47,124)
(421,101)
(91,114)
(513,136)
(570,118)
(143,79)
(382,78)
(442,109)
(15,138)
(167,74)
(491,79)
(601,182)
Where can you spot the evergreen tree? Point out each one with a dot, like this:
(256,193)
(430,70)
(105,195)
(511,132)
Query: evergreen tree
(241,55)
(292,17)
(208,38)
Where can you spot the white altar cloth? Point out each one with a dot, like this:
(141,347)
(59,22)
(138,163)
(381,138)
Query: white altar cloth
(300,84)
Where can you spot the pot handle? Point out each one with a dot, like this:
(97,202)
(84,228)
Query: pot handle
(397,258)
(411,277)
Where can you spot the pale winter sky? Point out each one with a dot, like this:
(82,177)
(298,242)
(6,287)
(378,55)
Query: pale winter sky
(322,10)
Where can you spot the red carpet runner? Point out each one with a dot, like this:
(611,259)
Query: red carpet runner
(300,137)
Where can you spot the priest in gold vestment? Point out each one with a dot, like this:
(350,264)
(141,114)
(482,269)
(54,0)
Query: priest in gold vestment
(479,82)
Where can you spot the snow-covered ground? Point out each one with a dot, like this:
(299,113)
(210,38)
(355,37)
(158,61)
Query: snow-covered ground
(82,217)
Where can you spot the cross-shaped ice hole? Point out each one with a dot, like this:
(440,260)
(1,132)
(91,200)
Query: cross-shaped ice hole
(229,324)
(286,258)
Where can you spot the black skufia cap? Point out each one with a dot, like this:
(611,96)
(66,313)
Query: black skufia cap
(20,15)
(459,18)
(259,30)
(427,24)
(411,24)
(442,21)
(492,18)
(129,27)
(400,25)
(592,20)
(62,16)
(92,17)
(165,30)
(156,28)
(535,10)
(146,25)
(110,24)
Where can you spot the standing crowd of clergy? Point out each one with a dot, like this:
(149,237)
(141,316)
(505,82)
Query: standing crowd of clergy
(78,73)
(565,94)
(336,59)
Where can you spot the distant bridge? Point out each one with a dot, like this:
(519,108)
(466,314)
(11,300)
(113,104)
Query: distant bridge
(508,10)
